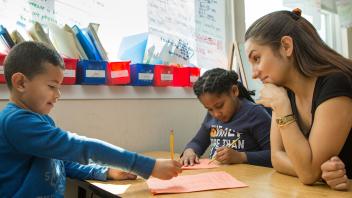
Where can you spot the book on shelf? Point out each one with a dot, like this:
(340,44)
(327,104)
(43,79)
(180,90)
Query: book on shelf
(93,34)
(17,37)
(79,47)
(63,41)
(5,37)
(38,34)
(87,44)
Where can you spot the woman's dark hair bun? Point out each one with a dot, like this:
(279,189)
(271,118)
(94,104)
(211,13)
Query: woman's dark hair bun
(297,11)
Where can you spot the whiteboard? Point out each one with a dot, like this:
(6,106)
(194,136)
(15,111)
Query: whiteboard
(188,32)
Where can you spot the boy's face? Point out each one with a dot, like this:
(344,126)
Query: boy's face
(41,92)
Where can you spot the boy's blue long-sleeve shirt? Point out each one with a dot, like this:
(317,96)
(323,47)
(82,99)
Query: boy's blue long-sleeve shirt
(36,156)
(251,124)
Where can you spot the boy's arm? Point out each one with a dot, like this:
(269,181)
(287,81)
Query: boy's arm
(260,131)
(30,133)
(84,172)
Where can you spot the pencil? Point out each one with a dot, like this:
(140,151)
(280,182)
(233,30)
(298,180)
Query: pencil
(233,143)
(172,139)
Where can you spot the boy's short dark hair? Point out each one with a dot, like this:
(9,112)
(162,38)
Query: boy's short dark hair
(29,58)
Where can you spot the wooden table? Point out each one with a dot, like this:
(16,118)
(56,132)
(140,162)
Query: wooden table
(263,182)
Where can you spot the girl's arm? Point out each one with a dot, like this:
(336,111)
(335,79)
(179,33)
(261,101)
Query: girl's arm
(260,131)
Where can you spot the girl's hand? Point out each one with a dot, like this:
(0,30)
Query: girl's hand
(116,174)
(189,157)
(276,98)
(226,155)
(334,173)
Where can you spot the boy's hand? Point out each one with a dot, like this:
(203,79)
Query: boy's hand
(227,155)
(334,173)
(166,169)
(189,157)
(116,174)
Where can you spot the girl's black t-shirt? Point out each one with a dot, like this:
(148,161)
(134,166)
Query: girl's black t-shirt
(327,87)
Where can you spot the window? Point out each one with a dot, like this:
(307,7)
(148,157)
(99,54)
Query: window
(326,23)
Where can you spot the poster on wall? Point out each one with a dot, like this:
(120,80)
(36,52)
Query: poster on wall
(27,12)
(186,33)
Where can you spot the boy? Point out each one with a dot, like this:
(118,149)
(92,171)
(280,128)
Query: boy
(35,155)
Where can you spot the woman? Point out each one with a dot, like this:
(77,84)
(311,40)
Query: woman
(308,86)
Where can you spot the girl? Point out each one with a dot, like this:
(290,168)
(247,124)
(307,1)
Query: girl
(232,116)
(308,86)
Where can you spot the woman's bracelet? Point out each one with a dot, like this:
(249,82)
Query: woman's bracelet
(285,120)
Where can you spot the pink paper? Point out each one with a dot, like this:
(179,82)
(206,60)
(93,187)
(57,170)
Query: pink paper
(193,183)
(203,164)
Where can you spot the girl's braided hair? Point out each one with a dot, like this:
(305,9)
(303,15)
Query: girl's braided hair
(219,81)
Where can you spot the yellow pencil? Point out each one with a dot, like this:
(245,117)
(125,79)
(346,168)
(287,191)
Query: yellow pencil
(172,140)
(233,143)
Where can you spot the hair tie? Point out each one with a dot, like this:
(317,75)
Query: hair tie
(297,11)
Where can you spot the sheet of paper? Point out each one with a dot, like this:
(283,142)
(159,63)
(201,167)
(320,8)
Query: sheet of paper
(203,164)
(115,189)
(193,183)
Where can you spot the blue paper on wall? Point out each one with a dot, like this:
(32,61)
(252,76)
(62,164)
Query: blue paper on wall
(133,47)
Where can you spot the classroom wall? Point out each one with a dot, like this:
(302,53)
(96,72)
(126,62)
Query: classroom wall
(136,124)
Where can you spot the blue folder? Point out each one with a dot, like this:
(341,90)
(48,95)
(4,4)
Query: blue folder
(6,38)
(87,44)
(132,48)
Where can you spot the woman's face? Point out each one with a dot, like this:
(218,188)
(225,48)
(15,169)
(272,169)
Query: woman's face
(221,106)
(267,66)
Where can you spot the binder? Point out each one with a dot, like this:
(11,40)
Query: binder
(92,32)
(5,37)
(87,43)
